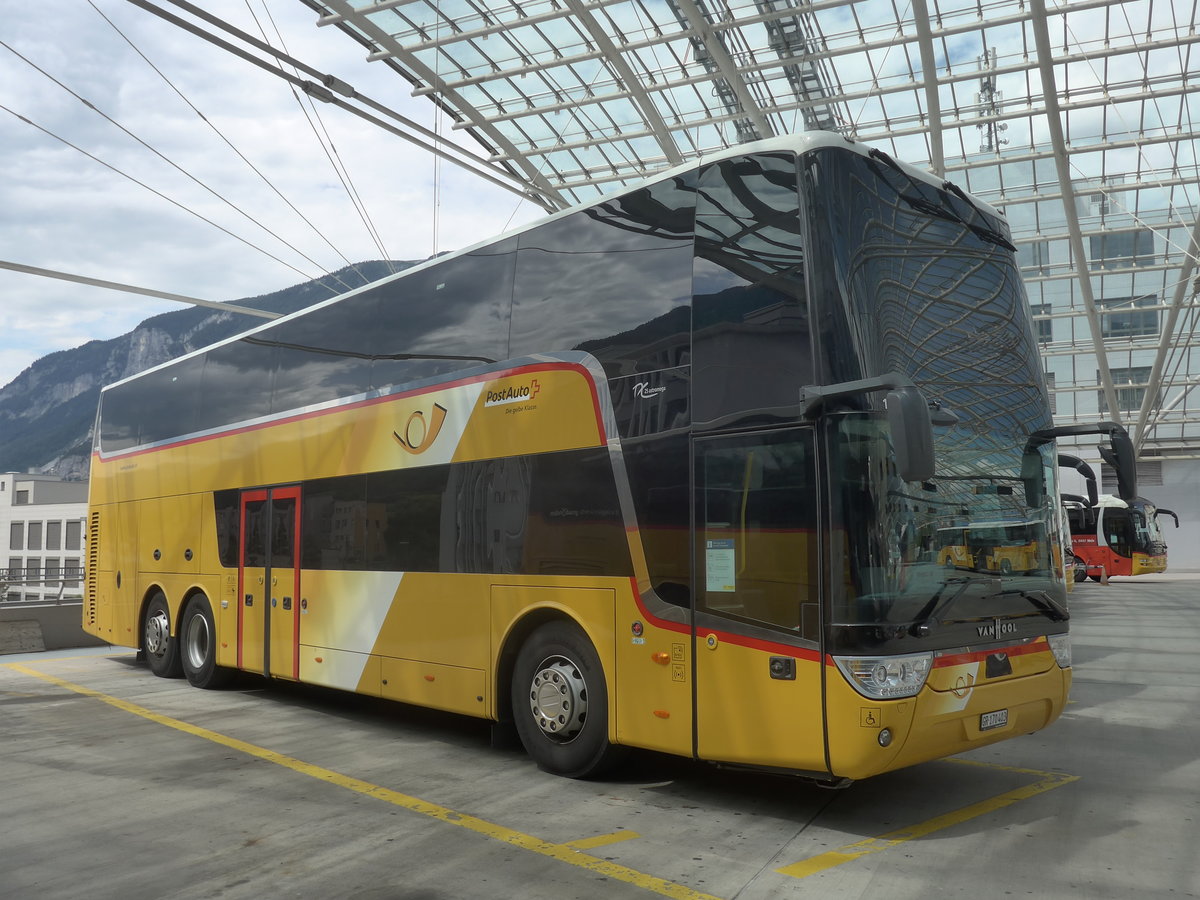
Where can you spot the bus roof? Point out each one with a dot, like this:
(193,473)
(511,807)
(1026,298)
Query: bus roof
(797,143)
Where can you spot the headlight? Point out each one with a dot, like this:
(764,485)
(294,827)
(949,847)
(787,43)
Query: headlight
(886,677)
(1060,646)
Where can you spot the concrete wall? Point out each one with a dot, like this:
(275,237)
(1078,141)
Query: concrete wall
(32,627)
(1180,491)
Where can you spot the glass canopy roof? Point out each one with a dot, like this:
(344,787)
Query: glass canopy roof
(1078,120)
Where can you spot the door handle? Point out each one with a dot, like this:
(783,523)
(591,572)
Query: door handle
(287,602)
(249,599)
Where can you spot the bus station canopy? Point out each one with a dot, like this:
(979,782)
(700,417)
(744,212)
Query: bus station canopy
(1078,120)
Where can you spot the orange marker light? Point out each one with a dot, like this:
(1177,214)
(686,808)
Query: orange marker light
(319,659)
(662,714)
(429,678)
(661,658)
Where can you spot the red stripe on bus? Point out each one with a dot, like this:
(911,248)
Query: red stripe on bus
(727,637)
(957,659)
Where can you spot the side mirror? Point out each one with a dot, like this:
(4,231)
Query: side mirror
(1171,513)
(912,432)
(1068,461)
(1119,454)
(1122,458)
(907,414)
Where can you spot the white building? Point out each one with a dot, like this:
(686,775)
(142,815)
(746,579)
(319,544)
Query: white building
(42,521)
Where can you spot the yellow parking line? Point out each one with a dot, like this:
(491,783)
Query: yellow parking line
(601,840)
(561,852)
(1047,781)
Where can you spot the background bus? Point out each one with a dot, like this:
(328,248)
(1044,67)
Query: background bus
(1116,537)
(656,472)
(1113,535)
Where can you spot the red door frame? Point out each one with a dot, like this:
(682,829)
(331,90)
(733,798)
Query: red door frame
(269,495)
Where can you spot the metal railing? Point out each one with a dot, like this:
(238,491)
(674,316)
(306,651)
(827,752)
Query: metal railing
(62,577)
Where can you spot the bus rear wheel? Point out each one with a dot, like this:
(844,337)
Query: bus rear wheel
(162,649)
(198,646)
(560,703)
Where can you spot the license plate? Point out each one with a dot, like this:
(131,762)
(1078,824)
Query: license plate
(990,720)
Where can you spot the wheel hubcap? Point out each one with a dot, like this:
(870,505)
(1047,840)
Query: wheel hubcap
(158,633)
(196,642)
(558,699)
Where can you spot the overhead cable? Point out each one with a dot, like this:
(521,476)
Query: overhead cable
(157,193)
(328,91)
(222,136)
(169,161)
(326,141)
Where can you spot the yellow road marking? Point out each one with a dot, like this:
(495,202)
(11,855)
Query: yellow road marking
(561,852)
(601,840)
(119,654)
(1047,781)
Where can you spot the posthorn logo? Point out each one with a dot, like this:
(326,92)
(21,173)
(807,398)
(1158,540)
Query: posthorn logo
(417,434)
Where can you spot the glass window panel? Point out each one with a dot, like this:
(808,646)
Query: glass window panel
(74,535)
(750,310)
(614,280)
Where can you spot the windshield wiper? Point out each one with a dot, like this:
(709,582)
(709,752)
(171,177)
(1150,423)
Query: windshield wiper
(922,625)
(930,613)
(1054,610)
(942,210)
(982,231)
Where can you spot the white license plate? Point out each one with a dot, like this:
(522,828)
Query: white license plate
(990,720)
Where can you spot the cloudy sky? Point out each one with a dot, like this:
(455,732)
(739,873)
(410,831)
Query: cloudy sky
(61,210)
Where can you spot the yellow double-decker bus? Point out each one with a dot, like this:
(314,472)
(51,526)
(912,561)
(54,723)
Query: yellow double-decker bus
(659,472)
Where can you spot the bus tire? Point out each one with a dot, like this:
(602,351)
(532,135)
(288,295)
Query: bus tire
(1005,567)
(198,646)
(560,702)
(160,646)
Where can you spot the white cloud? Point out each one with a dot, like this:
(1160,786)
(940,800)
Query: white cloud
(61,210)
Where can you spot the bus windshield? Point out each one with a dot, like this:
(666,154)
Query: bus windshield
(930,287)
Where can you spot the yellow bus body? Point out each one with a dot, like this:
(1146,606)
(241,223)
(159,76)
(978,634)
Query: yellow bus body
(447,641)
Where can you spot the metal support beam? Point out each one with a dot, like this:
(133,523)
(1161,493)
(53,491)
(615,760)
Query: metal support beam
(633,84)
(1045,64)
(933,105)
(1182,289)
(382,39)
(146,292)
(725,65)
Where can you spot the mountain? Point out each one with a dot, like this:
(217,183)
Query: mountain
(48,411)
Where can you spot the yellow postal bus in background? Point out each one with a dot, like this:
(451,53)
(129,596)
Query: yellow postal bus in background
(659,472)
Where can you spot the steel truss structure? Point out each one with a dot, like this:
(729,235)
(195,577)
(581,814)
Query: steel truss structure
(1079,120)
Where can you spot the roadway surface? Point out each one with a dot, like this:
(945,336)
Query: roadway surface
(114,783)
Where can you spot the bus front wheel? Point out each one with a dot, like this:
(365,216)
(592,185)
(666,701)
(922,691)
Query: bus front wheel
(560,702)
(198,646)
(162,649)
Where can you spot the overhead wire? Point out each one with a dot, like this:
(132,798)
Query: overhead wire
(156,192)
(327,145)
(164,158)
(329,89)
(222,136)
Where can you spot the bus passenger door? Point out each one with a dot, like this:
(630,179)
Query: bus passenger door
(269,582)
(757,618)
